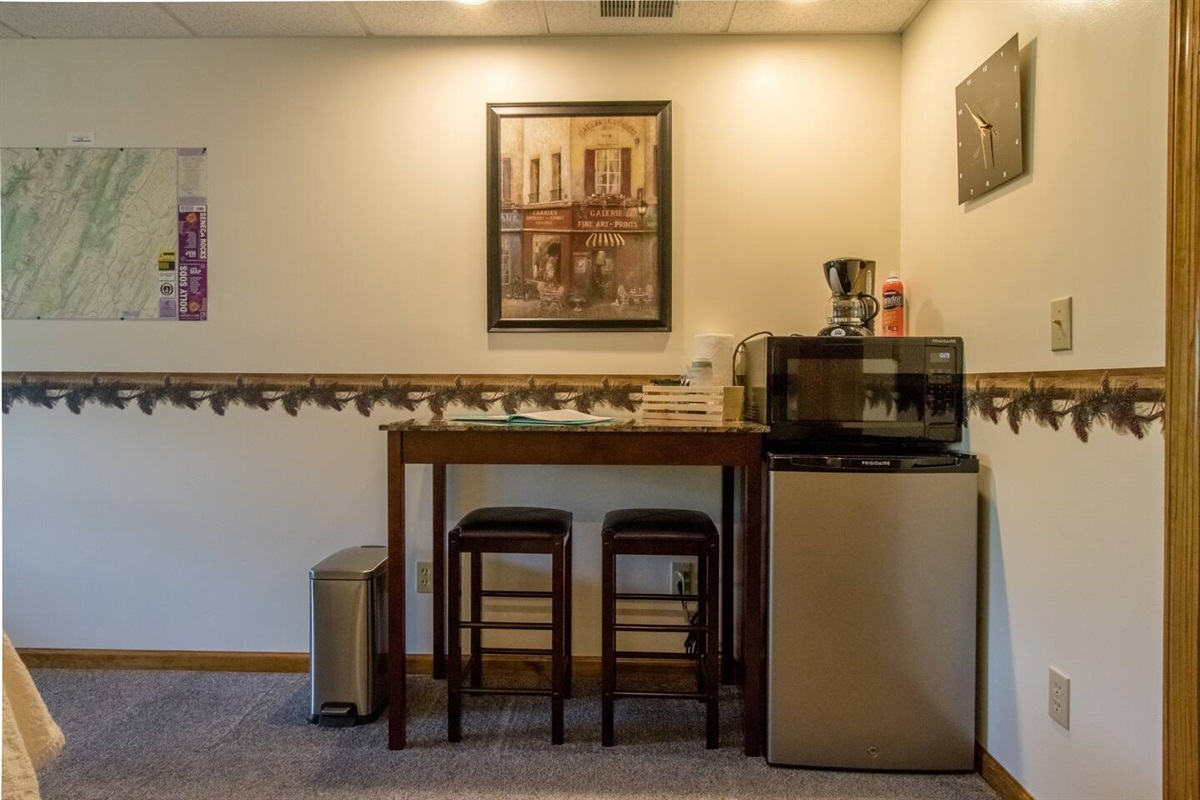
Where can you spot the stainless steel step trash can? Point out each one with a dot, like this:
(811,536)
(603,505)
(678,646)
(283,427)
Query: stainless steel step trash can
(347,604)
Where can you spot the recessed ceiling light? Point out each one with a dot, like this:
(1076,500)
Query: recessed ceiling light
(471,2)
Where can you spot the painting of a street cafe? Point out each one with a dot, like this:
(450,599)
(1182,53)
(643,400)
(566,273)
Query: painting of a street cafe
(579,240)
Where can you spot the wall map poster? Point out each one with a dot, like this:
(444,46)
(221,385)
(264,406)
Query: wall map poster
(104,233)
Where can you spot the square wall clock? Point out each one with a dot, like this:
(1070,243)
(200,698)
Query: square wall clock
(990,142)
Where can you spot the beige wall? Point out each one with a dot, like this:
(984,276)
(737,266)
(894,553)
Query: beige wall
(1072,532)
(347,188)
(347,222)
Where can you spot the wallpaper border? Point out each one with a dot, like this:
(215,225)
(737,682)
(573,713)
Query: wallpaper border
(1126,400)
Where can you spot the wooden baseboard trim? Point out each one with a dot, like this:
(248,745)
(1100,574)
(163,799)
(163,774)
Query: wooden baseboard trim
(586,667)
(198,660)
(997,777)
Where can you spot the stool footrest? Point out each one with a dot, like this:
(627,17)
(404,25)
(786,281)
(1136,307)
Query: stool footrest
(511,626)
(655,656)
(649,628)
(663,695)
(501,690)
(689,598)
(515,651)
(510,593)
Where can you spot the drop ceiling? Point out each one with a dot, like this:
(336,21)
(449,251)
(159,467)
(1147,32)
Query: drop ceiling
(140,20)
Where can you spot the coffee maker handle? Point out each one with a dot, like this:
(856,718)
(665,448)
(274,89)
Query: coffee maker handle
(872,307)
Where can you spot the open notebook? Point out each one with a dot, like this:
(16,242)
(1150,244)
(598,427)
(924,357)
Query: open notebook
(555,417)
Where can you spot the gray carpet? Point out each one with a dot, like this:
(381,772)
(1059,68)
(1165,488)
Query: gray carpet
(134,735)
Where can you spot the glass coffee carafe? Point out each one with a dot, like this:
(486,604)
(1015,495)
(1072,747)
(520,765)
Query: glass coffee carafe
(850,315)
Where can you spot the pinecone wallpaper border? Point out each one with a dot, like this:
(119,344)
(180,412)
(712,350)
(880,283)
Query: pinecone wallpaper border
(1126,400)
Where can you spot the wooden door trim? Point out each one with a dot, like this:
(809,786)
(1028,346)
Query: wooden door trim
(1181,611)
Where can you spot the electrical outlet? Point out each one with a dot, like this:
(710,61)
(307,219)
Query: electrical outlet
(424,577)
(1060,698)
(686,570)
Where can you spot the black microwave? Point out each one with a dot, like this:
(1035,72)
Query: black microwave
(856,390)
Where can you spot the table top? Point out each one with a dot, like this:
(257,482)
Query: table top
(616,425)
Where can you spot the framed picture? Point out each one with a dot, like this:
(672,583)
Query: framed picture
(579,216)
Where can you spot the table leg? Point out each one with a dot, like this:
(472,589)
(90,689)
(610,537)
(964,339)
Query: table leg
(753,618)
(397,652)
(439,571)
(728,668)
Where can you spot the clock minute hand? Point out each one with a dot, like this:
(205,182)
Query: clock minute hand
(986,131)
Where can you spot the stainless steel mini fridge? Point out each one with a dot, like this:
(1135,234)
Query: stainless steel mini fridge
(872,611)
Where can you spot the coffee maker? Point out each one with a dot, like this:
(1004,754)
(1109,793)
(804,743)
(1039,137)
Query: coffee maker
(852,307)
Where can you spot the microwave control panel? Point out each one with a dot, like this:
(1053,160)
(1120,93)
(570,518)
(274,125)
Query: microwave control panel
(943,373)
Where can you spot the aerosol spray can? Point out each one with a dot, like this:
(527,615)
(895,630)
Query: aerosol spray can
(893,305)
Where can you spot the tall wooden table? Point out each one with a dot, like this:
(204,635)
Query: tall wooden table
(736,447)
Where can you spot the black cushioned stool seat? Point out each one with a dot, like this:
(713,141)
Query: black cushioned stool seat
(508,529)
(664,532)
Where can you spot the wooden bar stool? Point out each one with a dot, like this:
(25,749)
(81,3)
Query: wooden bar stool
(662,532)
(509,529)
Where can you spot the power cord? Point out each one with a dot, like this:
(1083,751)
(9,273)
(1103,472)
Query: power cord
(742,346)
(692,643)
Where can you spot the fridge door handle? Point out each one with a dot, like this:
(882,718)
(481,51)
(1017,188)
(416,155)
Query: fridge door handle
(807,462)
(933,462)
(862,463)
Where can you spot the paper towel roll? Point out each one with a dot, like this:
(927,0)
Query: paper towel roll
(717,348)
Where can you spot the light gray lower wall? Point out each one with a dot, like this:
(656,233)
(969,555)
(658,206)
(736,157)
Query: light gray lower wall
(188,531)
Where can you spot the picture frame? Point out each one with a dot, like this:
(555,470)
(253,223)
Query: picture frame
(579,216)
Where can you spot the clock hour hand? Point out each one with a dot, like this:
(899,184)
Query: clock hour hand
(980,121)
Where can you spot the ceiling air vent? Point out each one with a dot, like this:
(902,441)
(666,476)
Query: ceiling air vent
(656,8)
(661,9)
(618,8)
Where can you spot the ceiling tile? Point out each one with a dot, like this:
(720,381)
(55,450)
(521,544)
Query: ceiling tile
(824,16)
(446,18)
(442,18)
(572,17)
(267,19)
(90,20)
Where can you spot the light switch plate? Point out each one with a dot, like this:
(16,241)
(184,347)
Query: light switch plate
(1060,323)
